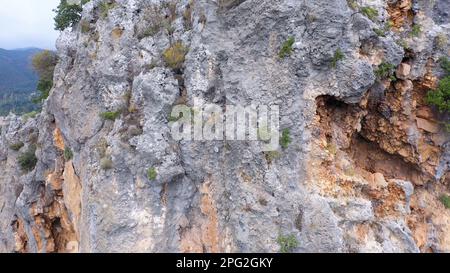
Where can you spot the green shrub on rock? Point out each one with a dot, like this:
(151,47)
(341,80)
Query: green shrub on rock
(287,243)
(416,30)
(370,13)
(28,159)
(16,146)
(175,55)
(68,154)
(385,70)
(152,174)
(441,96)
(338,56)
(285,138)
(110,115)
(445,199)
(286,49)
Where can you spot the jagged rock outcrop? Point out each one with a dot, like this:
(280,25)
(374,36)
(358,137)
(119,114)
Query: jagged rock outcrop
(364,172)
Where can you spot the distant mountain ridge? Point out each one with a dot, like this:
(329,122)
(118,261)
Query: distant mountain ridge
(17,80)
(16,73)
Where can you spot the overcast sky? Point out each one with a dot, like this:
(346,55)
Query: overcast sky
(27,23)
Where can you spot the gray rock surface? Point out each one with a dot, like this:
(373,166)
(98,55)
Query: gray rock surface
(208,195)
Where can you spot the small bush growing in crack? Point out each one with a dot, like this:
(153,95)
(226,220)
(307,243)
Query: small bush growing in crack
(287,243)
(68,154)
(445,200)
(445,64)
(110,115)
(379,32)
(370,13)
(175,55)
(285,138)
(286,48)
(385,70)
(416,30)
(441,96)
(338,56)
(388,25)
(28,160)
(152,174)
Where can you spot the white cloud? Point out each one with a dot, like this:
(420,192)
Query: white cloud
(27,23)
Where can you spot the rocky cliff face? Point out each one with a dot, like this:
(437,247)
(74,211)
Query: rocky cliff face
(364,172)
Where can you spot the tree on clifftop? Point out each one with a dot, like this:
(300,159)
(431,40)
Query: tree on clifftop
(68,15)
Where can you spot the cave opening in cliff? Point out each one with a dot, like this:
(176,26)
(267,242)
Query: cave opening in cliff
(370,157)
(344,129)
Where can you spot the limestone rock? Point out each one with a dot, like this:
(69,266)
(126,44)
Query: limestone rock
(364,148)
(403,71)
(427,125)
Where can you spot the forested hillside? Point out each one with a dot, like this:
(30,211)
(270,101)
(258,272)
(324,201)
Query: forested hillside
(17,80)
